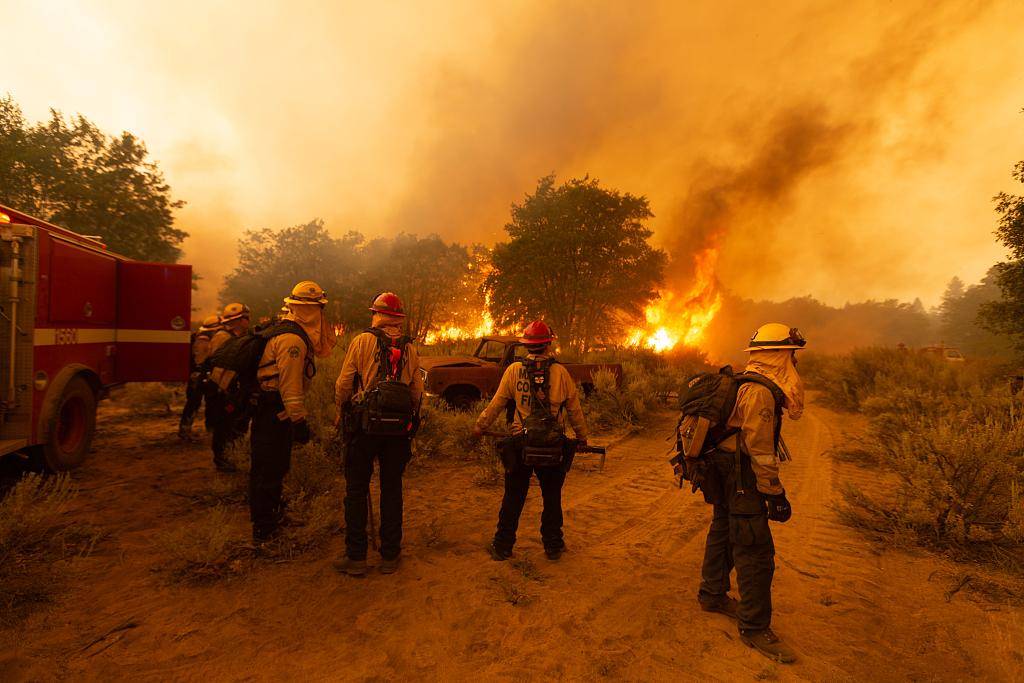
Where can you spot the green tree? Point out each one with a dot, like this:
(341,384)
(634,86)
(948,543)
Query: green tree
(71,173)
(578,256)
(1006,316)
(433,278)
(959,323)
(271,262)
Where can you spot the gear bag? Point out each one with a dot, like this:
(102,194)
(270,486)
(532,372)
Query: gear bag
(706,405)
(544,441)
(387,408)
(237,361)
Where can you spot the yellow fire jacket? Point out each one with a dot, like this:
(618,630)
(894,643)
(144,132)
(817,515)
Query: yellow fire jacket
(361,362)
(201,348)
(515,386)
(287,367)
(754,416)
(219,338)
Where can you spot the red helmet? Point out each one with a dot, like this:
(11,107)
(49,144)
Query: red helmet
(388,303)
(537,333)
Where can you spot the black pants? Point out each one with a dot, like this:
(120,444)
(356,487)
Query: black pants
(271,458)
(193,401)
(227,426)
(740,537)
(517,486)
(393,452)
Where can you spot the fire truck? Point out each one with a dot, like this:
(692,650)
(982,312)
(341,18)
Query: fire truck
(75,321)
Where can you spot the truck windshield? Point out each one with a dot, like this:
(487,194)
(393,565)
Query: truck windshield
(492,351)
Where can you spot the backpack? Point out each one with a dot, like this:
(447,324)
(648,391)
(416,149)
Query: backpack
(543,438)
(387,408)
(239,358)
(712,396)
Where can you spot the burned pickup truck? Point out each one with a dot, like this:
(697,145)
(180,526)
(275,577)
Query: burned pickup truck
(463,380)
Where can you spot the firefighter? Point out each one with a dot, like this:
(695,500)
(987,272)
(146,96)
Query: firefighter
(377,394)
(194,391)
(234,323)
(537,383)
(285,371)
(739,535)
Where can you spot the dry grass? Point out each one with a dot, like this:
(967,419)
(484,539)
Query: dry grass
(36,548)
(209,549)
(147,398)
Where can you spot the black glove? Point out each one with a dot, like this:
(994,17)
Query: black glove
(301,432)
(779,509)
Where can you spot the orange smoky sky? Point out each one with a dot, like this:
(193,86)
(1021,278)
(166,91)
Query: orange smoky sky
(846,150)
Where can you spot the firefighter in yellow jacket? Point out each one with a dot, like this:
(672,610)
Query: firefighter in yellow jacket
(377,394)
(234,322)
(285,370)
(197,377)
(752,493)
(538,383)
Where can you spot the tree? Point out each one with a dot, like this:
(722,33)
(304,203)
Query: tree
(433,278)
(73,174)
(271,262)
(1006,316)
(430,276)
(578,256)
(959,323)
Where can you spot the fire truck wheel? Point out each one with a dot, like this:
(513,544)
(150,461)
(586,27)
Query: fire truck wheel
(69,426)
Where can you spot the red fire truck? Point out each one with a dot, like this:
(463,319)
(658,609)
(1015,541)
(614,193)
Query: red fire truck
(76,320)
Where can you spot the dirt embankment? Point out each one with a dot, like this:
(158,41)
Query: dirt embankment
(620,605)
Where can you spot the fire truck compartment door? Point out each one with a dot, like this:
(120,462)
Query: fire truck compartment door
(154,302)
(81,287)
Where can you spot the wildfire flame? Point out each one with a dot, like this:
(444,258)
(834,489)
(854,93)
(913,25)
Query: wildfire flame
(675,320)
(447,332)
(670,321)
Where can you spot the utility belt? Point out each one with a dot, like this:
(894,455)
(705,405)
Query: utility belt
(516,454)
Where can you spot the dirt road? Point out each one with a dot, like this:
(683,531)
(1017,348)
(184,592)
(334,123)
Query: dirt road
(621,605)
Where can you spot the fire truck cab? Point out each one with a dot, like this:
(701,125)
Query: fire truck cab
(76,320)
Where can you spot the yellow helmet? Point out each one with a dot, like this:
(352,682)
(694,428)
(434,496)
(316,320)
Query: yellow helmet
(776,336)
(307,292)
(210,322)
(234,312)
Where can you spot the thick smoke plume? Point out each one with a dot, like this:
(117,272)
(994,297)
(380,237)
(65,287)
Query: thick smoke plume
(846,150)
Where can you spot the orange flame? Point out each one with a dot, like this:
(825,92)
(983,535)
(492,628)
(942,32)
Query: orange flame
(673,320)
(447,332)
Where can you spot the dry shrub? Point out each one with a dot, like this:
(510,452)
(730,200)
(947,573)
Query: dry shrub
(847,381)
(35,548)
(949,434)
(448,433)
(208,549)
(144,398)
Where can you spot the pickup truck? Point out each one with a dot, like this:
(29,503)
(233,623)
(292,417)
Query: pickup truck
(463,380)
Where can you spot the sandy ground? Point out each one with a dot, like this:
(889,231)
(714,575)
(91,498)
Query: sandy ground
(621,605)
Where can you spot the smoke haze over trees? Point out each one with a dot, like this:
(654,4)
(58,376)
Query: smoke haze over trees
(1007,315)
(73,174)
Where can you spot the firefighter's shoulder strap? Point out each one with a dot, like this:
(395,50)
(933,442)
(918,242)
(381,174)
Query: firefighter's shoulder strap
(392,355)
(778,398)
(281,327)
(538,377)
